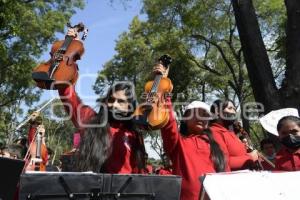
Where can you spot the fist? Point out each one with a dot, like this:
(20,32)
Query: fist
(254,155)
(160,69)
(34,115)
(35,118)
(71,32)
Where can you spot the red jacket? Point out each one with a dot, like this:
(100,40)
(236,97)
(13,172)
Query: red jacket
(287,160)
(190,157)
(238,157)
(122,159)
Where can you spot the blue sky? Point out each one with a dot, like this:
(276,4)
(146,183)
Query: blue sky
(105,21)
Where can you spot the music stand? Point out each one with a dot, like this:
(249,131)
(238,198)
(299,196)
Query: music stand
(91,186)
(10,170)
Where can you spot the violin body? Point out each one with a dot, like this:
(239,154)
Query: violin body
(67,70)
(153,114)
(37,164)
(61,70)
(154,107)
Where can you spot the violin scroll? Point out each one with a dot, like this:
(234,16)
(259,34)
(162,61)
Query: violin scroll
(165,60)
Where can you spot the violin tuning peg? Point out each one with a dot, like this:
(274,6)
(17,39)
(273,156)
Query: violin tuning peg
(80,27)
(165,60)
(69,25)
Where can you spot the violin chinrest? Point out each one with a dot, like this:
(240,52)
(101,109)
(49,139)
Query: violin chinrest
(41,76)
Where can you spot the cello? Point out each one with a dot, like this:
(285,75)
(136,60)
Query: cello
(153,113)
(61,70)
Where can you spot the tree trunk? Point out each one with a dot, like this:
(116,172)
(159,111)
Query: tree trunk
(255,54)
(291,85)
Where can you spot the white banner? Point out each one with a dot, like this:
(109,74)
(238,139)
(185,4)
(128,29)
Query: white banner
(248,185)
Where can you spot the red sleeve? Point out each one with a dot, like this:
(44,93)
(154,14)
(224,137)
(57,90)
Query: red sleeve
(240,162)
(79,113)
(238,157)
(170,134)
(31,133)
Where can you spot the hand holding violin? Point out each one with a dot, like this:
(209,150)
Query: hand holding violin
(34,117)
(254,155)
(71,32)
(61,70)
(160,69)
(153,113)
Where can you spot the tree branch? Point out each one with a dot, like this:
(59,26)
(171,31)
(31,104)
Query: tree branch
(229,65)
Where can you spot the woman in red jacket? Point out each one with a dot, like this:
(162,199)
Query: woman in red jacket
(225,113)
(192,150)
(109,141)
(288,158)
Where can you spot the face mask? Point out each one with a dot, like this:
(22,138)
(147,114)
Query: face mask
(117,115)
(291,141)
(229,118)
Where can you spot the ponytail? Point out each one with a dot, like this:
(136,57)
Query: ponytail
(216,154)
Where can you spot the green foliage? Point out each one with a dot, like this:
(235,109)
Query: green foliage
(203,39)
(26,29)
(58,128)
(59,132)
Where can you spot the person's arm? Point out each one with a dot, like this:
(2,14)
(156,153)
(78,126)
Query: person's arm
(243,160)
(238,156)
(240,162)
(78,112)
(170,133)
(31,133)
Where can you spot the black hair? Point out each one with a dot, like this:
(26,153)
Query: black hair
(219,105)
(288,118)
(266,141)
(216,154)
(183,127)
(96,143)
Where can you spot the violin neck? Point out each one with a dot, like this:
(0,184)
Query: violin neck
(156,83)
(38,151)
(66,44)
(38,145)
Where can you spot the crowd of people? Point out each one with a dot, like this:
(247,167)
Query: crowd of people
(205,142)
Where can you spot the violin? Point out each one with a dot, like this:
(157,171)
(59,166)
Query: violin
(153,113)
(37,154)
(61,70)
(239,129)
